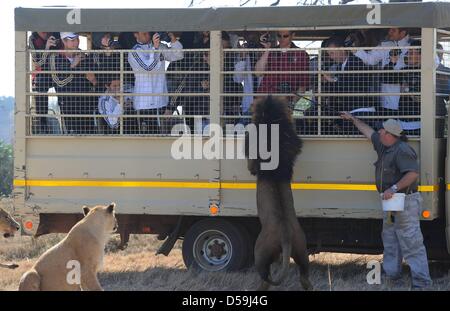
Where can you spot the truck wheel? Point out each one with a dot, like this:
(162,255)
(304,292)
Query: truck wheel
(216,245)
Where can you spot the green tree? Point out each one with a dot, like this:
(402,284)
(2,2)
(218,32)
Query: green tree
(6,169)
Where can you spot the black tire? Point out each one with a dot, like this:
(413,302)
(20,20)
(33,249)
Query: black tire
(216,245)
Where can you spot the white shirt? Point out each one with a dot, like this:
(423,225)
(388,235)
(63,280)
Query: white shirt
(110,106)
(149,72)
(375,57)
(247,81)
(344,64)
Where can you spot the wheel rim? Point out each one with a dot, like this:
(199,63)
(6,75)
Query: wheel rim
(212,250)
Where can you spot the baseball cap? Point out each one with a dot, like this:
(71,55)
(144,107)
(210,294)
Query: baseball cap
(68,35)
(393,126)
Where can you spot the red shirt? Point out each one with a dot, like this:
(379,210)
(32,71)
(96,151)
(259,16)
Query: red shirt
(285,82)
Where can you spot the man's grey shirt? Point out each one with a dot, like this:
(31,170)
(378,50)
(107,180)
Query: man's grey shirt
(393,163)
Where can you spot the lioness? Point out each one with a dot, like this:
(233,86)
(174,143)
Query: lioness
(8,227)
(280,230)
(85,244)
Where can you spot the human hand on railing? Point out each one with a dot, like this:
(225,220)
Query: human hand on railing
(329,78)
(156,40)
(205,84)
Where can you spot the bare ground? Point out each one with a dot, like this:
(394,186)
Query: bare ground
(137,268)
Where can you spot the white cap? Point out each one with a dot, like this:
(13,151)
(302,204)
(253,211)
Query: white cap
(393,126)
(68,35)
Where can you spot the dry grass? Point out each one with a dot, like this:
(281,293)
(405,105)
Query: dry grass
(137,268)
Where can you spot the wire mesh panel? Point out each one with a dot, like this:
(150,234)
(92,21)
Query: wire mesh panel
(442,82)
(373,83)
(145,90)
(148,90)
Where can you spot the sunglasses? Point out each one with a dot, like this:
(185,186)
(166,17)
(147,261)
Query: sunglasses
(283,36)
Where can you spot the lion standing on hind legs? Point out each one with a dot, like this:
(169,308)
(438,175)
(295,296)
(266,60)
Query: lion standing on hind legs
(85,244)
(280,230)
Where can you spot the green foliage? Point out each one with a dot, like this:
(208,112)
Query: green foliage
(6,169)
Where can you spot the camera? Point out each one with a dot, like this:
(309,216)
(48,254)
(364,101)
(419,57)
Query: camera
(264,37)
(353,39)
(394,52)
(348,42)
(114,44)
(57,43)
(164,36)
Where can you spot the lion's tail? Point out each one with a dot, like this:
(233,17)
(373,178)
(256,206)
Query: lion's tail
(286,248)
(30,281)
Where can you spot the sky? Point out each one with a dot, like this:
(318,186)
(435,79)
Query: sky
(7,21)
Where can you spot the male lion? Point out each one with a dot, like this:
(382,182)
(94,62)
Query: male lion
(85,244)
(280,230)
(8,227)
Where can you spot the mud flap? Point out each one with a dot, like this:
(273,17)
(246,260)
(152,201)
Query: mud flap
(168,244)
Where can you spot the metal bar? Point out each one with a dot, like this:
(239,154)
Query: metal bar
(225,94)
(110,71)
(216,79)
(428,149)
(445,32)
(321,71)
(121,90)
(123,115)
(115,94)
(20,122)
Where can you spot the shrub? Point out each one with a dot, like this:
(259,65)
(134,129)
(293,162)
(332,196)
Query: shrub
(6,169)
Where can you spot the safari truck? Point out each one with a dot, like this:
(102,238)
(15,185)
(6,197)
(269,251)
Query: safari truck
(165,181)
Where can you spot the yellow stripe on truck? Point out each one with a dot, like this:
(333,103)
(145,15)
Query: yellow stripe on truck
(195,185)
(116,184)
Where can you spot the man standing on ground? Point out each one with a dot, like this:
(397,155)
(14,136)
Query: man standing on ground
(396,170)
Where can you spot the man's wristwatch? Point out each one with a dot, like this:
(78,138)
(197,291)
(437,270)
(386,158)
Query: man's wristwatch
(394,188)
